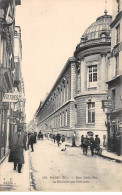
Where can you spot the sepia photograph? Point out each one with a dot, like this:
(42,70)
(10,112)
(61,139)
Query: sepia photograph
(60,96)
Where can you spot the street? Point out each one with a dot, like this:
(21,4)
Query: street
(70,170)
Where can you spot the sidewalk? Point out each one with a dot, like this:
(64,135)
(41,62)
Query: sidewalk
(11,180)
(105,154)
(111,156)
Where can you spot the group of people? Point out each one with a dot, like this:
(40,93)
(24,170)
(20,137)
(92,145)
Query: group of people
(60,139)
(21,141)
(93,143)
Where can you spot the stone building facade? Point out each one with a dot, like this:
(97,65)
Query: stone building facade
(114,114)
(74,105)
(92,57)
(57,113)
(10,79)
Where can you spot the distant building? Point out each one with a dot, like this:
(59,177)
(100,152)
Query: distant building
(75,101)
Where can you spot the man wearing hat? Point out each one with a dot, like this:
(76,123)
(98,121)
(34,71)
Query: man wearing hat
(17,146)
(97,142)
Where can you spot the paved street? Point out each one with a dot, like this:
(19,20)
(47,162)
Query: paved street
(70,170)
(11,180)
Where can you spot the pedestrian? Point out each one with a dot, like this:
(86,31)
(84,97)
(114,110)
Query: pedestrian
(17,146)
(58,138)
(31,141)
(39,135)
(54,137)
(82,140)
(63,147)
(73,139)
(48,136)
(92,145)
(35,135)
(97,143)
(85,145)
(118,144)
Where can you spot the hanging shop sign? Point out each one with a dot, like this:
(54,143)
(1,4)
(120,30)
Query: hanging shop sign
(107,104)
(11,97)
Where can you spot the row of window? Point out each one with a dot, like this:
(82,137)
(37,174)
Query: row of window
(60,120)
(61,97)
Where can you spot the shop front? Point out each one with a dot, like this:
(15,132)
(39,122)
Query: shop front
(114,126)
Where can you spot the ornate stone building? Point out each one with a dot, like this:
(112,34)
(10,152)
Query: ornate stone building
(75,101)
(92,59)
(57,111)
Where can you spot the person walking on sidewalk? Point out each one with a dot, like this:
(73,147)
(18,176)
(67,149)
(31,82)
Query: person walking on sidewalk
(85,145)
(63,147)
(92,145)
(97,143)
(82,140)
(17,146)
(31,141)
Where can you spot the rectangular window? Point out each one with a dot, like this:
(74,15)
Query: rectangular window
(117,65)
(67,90)
(92,73)
(91,112)
(118,34)
(113,97)
(60,120)
(92,76)
(66,119)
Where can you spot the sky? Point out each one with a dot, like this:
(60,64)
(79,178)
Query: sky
(51,30)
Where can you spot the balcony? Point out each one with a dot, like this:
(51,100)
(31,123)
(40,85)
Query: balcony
(6,80)
(16,77)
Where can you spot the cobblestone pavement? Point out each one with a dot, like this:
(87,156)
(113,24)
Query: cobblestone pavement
(70,170)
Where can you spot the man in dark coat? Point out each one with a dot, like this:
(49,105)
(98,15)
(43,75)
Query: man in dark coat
(17,146)
(31,141)
(82,140)
(85,145)
(97,142)
(92,145)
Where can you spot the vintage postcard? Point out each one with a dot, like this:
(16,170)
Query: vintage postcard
(60,95)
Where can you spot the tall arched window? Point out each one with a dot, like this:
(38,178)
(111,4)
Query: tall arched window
(64,94)
(66,118)
(67,90)
(60,120)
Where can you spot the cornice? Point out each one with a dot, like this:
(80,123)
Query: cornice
(91,45)
(116,49)
(118,17)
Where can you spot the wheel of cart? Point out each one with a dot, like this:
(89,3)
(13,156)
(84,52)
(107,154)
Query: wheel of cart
(98,150)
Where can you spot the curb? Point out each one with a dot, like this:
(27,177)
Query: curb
(1,161)
(110,158)
(32,185)
(104,156)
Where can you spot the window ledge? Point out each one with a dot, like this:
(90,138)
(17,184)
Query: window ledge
(90,123)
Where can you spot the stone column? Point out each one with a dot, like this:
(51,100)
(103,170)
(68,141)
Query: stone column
(73,80)
(83,76)
(103,72)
